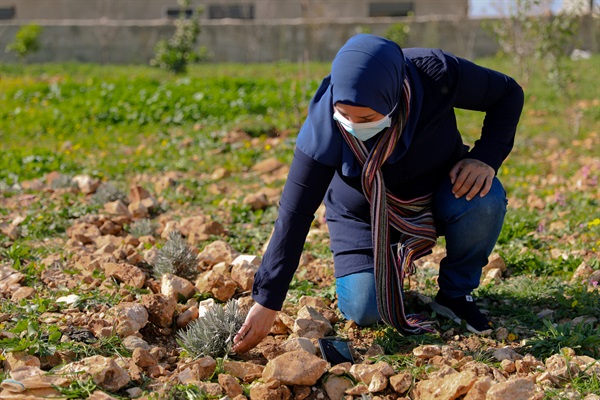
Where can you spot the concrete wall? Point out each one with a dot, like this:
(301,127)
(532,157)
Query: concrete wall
(263,9)
(253,41)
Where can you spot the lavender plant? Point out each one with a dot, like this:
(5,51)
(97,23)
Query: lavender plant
(63,182)
(176,257)
(212,334)
(106,193)
(142,227)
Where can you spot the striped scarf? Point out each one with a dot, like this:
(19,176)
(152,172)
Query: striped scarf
(412,218)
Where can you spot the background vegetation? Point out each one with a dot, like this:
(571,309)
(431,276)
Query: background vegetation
(122,123)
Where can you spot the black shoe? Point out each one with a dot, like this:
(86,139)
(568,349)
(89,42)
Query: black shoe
(461,309)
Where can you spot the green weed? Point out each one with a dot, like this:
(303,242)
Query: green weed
(17,253)
(403,362)
(518,300)
(78,389)
(584,383)
(249,229)
(92,299)
(393,341)
(33,338)
(300,287)
(104,346)
(584,338)
(182,392)
(27,311)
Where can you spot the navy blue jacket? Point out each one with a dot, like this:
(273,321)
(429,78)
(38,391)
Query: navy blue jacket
(429,147)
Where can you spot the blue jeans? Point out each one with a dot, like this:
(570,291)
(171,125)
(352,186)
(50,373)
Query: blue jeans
(471,229)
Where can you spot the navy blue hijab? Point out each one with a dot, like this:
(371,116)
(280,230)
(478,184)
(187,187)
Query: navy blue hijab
(367,71)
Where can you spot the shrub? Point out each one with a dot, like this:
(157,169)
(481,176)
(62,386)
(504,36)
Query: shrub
(142,227)
(63,182)
(531,29)
(398,33)
(176,258)
(26,41)
(177,52)
(106,193)
(212,334)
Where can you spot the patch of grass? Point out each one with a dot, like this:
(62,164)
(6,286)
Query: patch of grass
(485,357)
(28,309)
(18,253)
(583,338)
(109,115)
(538,263)
(125,123)
(103,346)
(91,299)
(303,287)
(47,218)
(584,383)
(518,300)
(33,338)
(403,362)
(300,287)
(20,163)
(518,226)
(249,229)
(393,341)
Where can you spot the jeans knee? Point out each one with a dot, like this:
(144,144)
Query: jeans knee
(357,299)
(490,209)
(364,314)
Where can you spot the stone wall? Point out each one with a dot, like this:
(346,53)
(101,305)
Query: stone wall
(132,42)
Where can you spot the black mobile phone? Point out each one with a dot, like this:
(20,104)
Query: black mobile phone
(335,350)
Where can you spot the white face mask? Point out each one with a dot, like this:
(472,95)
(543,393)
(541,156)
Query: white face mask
(363,130)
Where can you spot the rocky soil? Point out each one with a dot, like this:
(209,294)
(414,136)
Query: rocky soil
(100,260)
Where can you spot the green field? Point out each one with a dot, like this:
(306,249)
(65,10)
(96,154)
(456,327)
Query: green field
(115,122)
(134,124)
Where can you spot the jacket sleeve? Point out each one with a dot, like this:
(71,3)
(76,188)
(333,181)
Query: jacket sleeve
(501,98)
(302,194)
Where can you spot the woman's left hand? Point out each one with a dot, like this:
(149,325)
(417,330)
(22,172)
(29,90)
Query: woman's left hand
(470,176)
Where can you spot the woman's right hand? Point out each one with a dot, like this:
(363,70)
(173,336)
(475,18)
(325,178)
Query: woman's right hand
(257,325)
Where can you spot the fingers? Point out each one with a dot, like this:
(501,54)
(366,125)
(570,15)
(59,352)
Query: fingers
(241,340)
(241,333)
(248,337)
(471,177)
(454,172)
(257,325)
(248,341)
(486,186)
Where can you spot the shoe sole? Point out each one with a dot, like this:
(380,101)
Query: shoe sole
(448,313)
